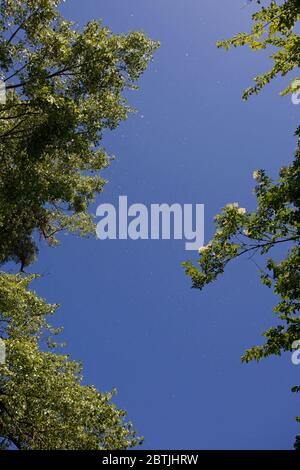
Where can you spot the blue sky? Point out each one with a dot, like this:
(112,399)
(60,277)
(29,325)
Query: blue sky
(128,310)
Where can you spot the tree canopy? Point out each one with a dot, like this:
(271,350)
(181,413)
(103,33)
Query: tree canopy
(273,28)
(276,221)
(64,88)
(43,403)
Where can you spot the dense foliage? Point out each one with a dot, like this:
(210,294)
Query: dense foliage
(274,28)
(43,404)
(64,87)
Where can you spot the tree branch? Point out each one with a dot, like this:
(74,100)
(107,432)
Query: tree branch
(20,27)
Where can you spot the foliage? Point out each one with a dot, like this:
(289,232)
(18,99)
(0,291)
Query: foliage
(64,88)
(276,221)
(43,404)
(273,27)
(274,227)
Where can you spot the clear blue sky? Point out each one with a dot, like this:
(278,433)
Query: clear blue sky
(127,307)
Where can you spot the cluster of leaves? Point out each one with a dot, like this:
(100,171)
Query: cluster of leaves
(43,404)
(273,26)
(64,88)
(276,221)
